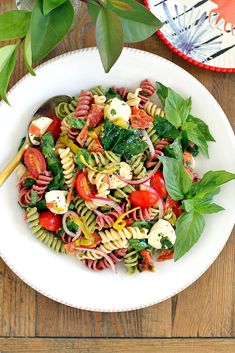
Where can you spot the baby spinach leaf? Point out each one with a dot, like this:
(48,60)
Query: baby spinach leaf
(53,163)
(139,245)
(126,142)
(73,227)
(164,128)
(162,92)
(189,228)
(14,24)
(177,108)
(49,5)
(203,127)
(41,205)
(178,183)
(109,37)
(142,224)
(76,123)
(174,150)
(47,31)
(29,182)
(166,243)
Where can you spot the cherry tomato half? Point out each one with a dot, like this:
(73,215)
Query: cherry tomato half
(34,161)
(165,255)
(144,198)
(54,128)
(147,261)
(50,221)
(83,187)
(140,119)
(157,182)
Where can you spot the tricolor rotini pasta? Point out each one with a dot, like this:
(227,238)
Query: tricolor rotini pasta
(102,185)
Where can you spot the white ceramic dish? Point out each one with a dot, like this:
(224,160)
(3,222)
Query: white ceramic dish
(62,278)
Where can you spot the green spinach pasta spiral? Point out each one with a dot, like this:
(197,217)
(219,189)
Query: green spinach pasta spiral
(131,261)
(87,215)
(64,108)
(137,165)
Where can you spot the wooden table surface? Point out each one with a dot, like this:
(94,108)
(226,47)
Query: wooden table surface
(201,319)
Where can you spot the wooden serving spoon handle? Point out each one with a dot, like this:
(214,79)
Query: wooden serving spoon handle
(14,163)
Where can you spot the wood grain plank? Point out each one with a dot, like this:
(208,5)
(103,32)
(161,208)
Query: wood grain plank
(117,345)
(17,305)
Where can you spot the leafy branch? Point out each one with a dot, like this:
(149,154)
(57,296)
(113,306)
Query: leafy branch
(40,31)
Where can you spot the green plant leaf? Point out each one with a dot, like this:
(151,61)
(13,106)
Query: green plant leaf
(138,23)
(109,37)
(162,92)
(48,31)
(28,53)
(174,150)
(75,122)
(195,135)
(142,224)
(178,183)
(49,5)
(14,24)
(93,10)
(164,128)
(201,206)
(7,64)
(177,109)
(86,155)
(189,228)
(203,127)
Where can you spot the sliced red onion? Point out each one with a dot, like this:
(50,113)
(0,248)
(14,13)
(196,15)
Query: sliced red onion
(161,208)
(75,236)
(100,252)
(106,201)
(143,180)
(149,142)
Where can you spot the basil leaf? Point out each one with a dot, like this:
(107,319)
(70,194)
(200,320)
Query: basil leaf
(189,227)
(41,205)
(29,182)
(174,150)
(162,92)
(178,183)
(76,123)
(177,109)
(164,128)
(86,155)
(7,64)
(193,150)
(14,24)
(53,163)
(48,31)
(202,127)
(28,53)
(109,37)
(142,224)
(49,5)
(201,206)
(197,137)
(112,94)
(210,182)
(139,245)
(126,142)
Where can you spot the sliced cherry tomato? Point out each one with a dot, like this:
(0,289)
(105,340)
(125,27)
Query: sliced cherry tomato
(144,198)
(84,188)
(54,128)
(95,115)
(50,221)
(96,146)
(157,182)
(83,135)
(165,255)
(34,161)
(174,206)
(147,261)
(140,119)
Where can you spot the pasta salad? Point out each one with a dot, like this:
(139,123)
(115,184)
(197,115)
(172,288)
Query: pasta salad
(110,177)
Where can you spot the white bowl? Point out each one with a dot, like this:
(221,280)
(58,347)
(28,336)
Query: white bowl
(63,278)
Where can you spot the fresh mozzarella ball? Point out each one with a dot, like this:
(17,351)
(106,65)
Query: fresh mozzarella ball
(125,172)
(37,128)
(117,108)
(161,229)
(56,201)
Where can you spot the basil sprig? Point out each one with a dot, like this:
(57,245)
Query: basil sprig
(179,122)
(197,200)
